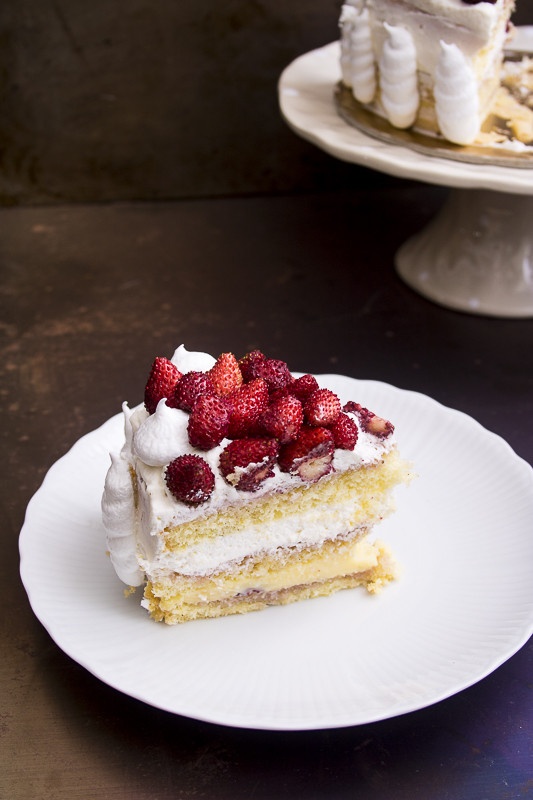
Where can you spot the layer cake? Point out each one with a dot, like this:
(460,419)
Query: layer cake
(241,486)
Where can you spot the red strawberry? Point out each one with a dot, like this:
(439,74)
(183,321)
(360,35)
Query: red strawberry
(276,394)
(378,426)
(369,421)
(226,374)
(249,363)
(162,379)
(322,407)
(275,372)
(246,463)
(310,456)
(304,386)
(283,418)
(190,479)
(345,432)
(247,403)
(191,386)
(208,422)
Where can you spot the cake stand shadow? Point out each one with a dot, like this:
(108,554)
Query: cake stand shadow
(476,254)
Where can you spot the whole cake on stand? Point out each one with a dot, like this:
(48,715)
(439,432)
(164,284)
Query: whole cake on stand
(430,65)
(475,255)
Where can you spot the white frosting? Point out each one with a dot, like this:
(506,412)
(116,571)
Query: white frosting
(187,361)
(456,96)
(472,27)
(357,54)
(118,516)
(134,536)
(398,77)
(162,436)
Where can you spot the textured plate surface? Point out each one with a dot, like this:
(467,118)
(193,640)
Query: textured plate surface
(306,99)
(463,534)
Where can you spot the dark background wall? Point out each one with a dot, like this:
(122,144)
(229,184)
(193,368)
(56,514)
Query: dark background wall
(156,99)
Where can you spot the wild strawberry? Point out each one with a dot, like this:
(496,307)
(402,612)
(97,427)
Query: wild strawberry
(379,427)
(187,391)
(369,421)
(247,404)
(190,479)
(275,372)
(351,407)
(322,407)
(246,463)
(249,363)
(277,394)
(162,379)
(226,375)
(283,418)
(310,456)
(345,432)
(208,422)
(304,386)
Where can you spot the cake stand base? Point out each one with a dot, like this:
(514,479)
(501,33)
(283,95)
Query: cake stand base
(476,255)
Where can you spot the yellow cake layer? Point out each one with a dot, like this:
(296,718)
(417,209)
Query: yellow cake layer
(353,498)
(283,577)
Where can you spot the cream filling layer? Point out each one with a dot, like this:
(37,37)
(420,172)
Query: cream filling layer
(212,555)
(353,558)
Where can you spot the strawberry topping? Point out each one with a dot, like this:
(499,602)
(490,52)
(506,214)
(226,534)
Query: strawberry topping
(283,418)
(345,432)
(226,375)
(187,391)
(208,422)
(322,407)
(310,456)
(190,479)
(162,379)
(369,421)
(249,365)
(270,416)
(247,463)
(248,403)
(275,372)
(304,386)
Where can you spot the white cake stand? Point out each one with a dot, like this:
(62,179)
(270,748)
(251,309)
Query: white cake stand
(476,255)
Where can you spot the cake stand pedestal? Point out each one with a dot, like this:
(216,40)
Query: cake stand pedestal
(476,255)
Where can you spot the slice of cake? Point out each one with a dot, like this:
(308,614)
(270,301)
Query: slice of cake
(433,65)
(240,486)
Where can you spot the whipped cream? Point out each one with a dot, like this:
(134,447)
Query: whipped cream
(357,54)
(471,27)
(118,516)
(456,96)
(398,77)
(162,436)
(187,361)
(135,516)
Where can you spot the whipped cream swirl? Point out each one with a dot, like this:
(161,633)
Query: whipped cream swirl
(162,436)
(118,516)
(187,361)
(357,54)
(456,96)
(398,77)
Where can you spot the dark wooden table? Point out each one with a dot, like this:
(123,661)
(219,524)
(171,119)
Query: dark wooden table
(89,295)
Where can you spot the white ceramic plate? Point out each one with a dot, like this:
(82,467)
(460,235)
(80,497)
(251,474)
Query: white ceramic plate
(464,603)
(306,99)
